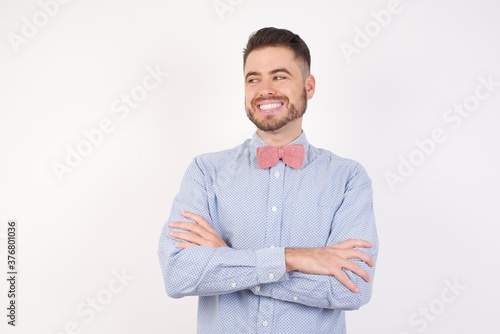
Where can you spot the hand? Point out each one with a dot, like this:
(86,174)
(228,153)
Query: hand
(201,233)
(331,260)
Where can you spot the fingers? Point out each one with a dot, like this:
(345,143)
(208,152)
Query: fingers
(199,220)
(189,237)
(352,253)
(351,243)
(346,281)
(184,245)
(193,234)
(356,269)
(196,234)
(359,254)
(190,227)
(343,278)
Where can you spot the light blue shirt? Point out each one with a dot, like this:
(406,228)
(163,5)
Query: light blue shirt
(244,288)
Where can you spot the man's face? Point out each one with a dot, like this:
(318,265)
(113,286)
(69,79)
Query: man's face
(276,89)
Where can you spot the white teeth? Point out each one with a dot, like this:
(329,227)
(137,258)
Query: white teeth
(270,106)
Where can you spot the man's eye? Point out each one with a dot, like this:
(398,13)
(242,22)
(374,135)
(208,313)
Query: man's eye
(252,80)
(279,77)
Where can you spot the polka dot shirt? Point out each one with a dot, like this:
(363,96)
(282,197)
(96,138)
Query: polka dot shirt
(244,288)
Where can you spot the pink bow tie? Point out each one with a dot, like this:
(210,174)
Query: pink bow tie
(292,155)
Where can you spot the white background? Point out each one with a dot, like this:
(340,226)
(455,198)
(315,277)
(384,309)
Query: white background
(105,215)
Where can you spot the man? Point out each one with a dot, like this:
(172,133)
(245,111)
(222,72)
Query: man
(275,235)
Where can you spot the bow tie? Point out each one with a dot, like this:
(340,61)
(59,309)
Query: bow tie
(292,155)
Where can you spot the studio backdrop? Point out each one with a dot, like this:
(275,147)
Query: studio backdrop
(103,104)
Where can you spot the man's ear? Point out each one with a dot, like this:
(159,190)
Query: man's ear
(310,85)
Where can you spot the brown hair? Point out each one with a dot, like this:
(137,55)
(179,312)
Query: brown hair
(278,37)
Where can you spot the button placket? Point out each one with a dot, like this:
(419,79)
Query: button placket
(273,238)
(274,200)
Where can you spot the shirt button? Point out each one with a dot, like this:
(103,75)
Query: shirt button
(257,288)
(233,285)
(274,209)
(277,174)
(271,276)
(265,323)
(295,298)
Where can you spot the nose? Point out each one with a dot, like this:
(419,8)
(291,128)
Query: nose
(267,88)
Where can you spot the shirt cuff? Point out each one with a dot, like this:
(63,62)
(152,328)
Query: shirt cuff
(271,265)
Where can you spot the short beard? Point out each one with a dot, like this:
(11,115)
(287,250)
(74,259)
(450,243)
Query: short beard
(271,124)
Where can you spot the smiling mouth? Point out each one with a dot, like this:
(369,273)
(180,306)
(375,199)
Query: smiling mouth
(270,106)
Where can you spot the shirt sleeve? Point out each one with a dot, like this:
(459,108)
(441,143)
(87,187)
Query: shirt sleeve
(354,219)
(204,271)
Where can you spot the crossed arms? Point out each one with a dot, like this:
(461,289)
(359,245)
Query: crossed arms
(328,260)
(195,259)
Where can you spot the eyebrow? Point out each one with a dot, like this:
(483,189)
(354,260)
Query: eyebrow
(271,72)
